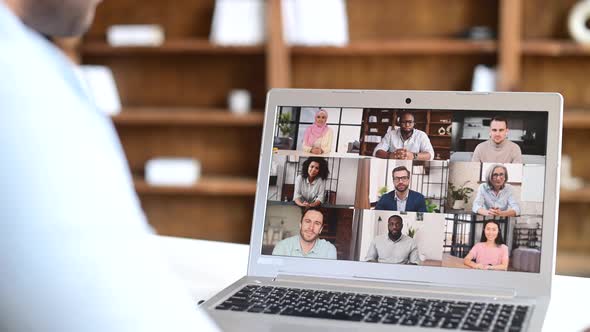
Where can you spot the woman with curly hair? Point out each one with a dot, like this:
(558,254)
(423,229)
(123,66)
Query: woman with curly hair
(310,185)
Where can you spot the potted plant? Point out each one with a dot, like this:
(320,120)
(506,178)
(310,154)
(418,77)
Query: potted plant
(431,207)
(285,141)
(460,195)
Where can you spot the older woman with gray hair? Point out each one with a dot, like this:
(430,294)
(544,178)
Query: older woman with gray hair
(495,197)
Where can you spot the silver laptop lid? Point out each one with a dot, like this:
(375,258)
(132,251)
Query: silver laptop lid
(479,157)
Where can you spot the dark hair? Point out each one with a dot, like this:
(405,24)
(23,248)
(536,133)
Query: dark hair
(498,118)
(396,216)
(400,168)
(314,208)
(498,240)
(323,174)
(404,112)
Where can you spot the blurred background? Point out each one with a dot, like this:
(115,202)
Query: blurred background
(188,79)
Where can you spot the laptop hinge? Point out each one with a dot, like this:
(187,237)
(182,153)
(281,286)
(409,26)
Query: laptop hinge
(376,284)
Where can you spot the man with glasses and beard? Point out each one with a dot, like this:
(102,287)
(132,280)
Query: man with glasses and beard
(402,198)
(405,142)
(308,242)
(495,197)
(393,247)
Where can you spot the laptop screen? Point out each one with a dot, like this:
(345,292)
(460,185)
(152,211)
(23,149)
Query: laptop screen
(453,189)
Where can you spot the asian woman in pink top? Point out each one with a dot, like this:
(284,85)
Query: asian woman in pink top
(490,253)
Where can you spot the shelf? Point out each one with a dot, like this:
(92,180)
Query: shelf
(215,186)
(403,46)
(575,196)
(179,46)
(576,119)
(440,123)
(548,47)
(141,116)
(445,136)
(441,147)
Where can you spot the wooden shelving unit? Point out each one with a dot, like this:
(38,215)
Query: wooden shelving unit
(153,116)
(175,94)
(214,186)
(402,47)
(179,46)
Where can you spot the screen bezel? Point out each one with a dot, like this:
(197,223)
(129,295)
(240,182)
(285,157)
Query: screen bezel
(523,283)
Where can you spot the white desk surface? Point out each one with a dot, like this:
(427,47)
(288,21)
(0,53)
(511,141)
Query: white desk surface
(207,267)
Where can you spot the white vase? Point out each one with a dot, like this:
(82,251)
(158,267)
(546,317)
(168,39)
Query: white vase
(459,204)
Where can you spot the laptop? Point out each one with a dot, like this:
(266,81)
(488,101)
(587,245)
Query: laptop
(404,210)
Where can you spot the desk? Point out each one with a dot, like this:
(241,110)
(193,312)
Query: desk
(207,267)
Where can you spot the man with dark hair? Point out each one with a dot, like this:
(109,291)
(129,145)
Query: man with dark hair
(405,142)
(402,198)
(393,247)
(308,242)
(77,253)
(498,149)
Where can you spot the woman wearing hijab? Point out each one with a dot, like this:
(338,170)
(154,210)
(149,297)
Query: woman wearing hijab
(318,137)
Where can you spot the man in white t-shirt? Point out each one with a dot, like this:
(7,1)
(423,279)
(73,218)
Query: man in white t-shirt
(76,252)
(405,142)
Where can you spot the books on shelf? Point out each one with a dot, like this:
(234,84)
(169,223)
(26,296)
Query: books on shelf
(315,23)
(238,23)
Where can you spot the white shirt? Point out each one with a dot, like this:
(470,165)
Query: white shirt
(418,142)
(76,252)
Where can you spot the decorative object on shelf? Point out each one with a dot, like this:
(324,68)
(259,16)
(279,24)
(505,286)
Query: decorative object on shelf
(238,23)
(449,130)
(315,23)
(460,195)
(172,171)
(372,119)
(239,101)
(99,83)
(577,22)
(135,35)
(568,181)
(484,79)
(441,131)
(478,32)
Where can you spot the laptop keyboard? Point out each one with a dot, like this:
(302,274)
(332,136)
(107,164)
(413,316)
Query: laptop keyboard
(369,308)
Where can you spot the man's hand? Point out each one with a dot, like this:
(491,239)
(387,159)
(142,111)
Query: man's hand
(399,154)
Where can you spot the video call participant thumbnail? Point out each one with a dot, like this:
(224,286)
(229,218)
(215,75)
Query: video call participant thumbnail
(317,138)
(402,198)
(405,142)
(495,197)
(310,185)
(393,247)
(498,149)
(491,253)
(308,242)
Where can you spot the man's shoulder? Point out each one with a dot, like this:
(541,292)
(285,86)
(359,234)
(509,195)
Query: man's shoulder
(513,145)
(326,243)
(406,238)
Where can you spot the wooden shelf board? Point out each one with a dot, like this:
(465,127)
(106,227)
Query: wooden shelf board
(441,147)
(140,116)
(576,119)
(402,46)
(207,185)
(548,47)
(446,136)
(575,196)
(573,263)
(188,46)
